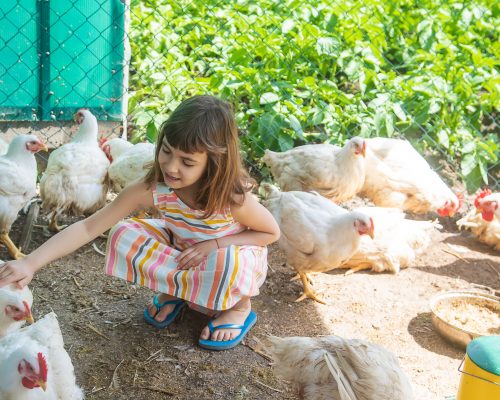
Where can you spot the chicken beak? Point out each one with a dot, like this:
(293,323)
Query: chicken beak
(29,319)
(42,384)
(78,118)
(44,147)
(372,233)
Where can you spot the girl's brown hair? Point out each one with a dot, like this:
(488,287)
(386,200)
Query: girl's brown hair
(206,123)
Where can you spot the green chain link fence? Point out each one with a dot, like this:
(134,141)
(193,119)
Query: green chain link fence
(296,71)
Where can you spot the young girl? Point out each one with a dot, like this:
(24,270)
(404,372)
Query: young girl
(208,249)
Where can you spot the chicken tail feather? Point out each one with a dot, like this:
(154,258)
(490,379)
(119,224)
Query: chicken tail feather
(344,387)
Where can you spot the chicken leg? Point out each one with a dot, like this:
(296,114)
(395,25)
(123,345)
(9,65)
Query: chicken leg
(308,275)
(53,227)
(308,291)
(359,267)
(11,247)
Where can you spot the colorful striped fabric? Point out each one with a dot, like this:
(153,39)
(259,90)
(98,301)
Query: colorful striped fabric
(143,252)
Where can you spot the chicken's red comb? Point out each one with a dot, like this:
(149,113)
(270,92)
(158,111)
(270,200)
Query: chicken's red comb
(102,141)
(44,369)
(482,194)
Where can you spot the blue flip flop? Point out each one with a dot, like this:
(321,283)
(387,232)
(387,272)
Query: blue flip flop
(228,344)
(179,305)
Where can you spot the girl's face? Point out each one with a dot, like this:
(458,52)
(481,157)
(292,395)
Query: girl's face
(181,169)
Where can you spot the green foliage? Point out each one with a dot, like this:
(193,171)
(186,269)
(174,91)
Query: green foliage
(321,71)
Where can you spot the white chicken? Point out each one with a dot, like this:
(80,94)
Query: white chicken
(484,220)
(334,368)
(15,308)
(129,162)
(398,176)
(396,244)
(18,173)
(3,147)
(35,366)
(314,238)
(75,180)
(334,172)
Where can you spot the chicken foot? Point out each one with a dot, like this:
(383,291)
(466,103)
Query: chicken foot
(308,291)
(53,227)
(309,278)
(359,267)
(11,247)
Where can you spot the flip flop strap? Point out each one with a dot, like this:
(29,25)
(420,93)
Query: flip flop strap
(213,328)
(160,306)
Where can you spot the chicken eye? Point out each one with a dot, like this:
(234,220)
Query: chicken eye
(15,309)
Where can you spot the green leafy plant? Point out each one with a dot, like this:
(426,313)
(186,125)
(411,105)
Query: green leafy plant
(318,71)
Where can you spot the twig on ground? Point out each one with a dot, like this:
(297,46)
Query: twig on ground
(269,387)
(77,284)
(115,384)
(98,250)
(493,268)
(260,353)
(40,296)
(95,390)
(489,289)
(92,328)
(111,291)
(156,389)
(135,377)
(456,255)
(152,357)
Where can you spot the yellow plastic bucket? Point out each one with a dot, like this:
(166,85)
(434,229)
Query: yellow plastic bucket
(480,378)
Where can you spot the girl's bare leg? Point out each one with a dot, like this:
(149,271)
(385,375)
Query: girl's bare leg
(236,315)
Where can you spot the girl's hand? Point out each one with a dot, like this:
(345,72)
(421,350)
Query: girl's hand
(195,254)
(19,272)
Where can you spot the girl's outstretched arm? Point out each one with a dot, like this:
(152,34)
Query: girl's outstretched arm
(76,235)
(262,230)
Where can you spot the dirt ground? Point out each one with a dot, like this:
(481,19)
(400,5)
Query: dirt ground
(106,337)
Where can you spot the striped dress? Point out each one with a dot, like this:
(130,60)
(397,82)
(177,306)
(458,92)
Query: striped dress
(143,251)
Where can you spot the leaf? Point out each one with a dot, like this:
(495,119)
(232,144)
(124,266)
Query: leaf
(473,180)
(328,46)
(468,163)
(296,126)
(468,147)
(396,108)
(318,118)
(151,132)
(285,141)
(287,26)
(269,98)
(268,127)
(389,127)
(426,34)
(484,171)
(309,81)
(443,138)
